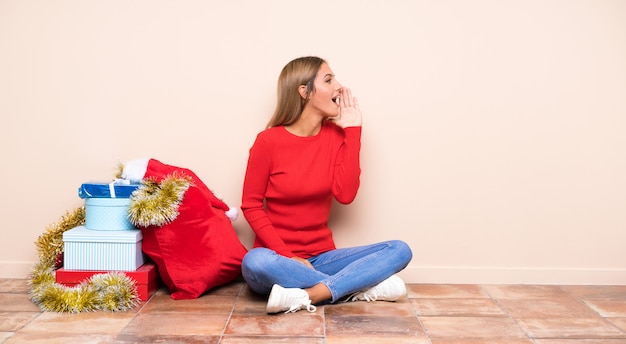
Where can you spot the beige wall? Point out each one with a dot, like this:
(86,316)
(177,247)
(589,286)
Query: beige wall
(494,131)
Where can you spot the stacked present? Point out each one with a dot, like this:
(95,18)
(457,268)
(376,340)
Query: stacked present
(108,241)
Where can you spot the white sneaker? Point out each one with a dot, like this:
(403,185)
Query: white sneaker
(390,289)
(289,300)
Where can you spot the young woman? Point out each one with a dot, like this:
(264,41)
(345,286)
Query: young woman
(308,155)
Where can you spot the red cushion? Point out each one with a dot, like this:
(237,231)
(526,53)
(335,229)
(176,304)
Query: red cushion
(199,250)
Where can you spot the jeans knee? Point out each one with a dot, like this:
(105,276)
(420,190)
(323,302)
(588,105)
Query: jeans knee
(403,251)
(253,269)
(254,259)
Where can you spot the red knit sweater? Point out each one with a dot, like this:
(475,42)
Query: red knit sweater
(290,183)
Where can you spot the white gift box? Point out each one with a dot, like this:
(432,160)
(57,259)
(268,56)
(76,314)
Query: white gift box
(86,249)
(107,214)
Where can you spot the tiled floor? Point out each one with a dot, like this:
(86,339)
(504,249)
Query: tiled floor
(435,314)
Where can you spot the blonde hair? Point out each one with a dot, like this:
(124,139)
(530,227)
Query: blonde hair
(290,104)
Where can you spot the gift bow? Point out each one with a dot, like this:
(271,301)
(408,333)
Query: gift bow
(117,181)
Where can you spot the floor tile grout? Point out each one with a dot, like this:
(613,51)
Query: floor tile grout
(441,312)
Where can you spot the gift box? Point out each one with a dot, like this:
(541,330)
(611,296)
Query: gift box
(107,214)
(118,188)
(107,203)
(146,278)
(86,249)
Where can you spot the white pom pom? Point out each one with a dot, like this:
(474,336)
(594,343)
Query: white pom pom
(135,170)
(232,214)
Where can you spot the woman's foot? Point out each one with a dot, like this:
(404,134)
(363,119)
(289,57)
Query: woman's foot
(288,300)
(390,289)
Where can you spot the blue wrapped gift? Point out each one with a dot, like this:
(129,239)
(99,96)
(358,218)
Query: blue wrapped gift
(118,188)
(87,249)
(107,214)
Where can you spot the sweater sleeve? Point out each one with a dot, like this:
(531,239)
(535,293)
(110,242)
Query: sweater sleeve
(348,167)
(253,197)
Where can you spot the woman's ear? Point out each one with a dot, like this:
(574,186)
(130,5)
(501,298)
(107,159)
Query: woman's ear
(303,92)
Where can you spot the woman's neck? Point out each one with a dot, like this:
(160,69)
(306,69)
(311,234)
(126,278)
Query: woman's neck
(307,125)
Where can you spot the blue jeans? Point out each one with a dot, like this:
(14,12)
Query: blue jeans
(343,271)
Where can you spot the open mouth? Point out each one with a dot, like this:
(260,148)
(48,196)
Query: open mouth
(336,100)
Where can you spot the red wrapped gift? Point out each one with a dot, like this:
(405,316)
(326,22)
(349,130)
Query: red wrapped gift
(146,278)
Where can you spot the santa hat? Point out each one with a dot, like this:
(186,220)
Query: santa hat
(187,231)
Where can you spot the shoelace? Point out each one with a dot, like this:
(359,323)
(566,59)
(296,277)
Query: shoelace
(369,298)
(366,296)
(295,308)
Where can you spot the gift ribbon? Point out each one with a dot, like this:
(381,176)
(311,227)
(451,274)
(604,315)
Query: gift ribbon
(117,181)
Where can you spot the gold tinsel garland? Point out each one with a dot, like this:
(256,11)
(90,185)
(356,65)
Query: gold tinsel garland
(111,291)
(157,203)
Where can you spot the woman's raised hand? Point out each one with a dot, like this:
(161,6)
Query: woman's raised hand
(349,111)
